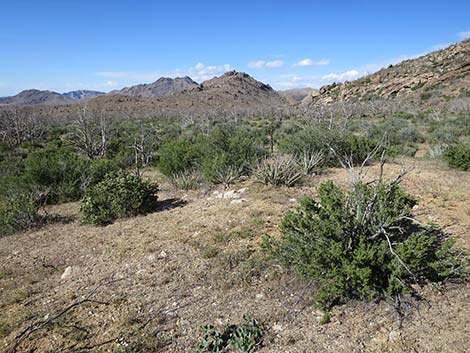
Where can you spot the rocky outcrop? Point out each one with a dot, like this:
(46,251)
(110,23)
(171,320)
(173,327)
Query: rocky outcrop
(441,74)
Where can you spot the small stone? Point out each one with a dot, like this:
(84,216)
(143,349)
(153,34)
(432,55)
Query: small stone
(151,257)
(242,190)
(69,272)
(237,201)
(277,328)
(163,254)
(259,296)
(393,336)
(293,199)
(232,194)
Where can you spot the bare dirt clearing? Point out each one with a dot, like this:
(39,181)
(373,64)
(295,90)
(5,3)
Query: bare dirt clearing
(155,279)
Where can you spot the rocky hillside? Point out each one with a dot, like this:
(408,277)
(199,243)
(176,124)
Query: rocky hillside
(232,91)
(162,87)
(440,75)
(38,97)
(296,95)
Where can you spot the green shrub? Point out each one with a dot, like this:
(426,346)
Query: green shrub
(59,171)
(17,213)
(323,140)
(458,156)
(246,338)
(228,150)
(177,157)
(118,195)
(220,157)
(362,244)
(62,174)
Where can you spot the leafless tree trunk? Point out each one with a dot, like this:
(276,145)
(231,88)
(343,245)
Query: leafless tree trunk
(91,132)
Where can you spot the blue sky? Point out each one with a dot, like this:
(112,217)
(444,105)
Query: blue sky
(105,45)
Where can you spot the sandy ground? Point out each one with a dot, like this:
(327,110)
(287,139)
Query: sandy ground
(147,284)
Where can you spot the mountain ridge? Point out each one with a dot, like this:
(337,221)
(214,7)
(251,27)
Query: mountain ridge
(436,76)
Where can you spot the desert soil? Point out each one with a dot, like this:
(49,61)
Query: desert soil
(146,284)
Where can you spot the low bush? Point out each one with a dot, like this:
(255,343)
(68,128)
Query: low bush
(118,195)
(18,212)
(309,161)
(331,143)
(177,157)
(59,172)
(220,157)
(363,244)
(458,156)
(227,153)
(63,175)
(186,180)
(245,338)
(278,170)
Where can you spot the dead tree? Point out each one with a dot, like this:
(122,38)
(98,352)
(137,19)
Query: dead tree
(91,135)
(19,125)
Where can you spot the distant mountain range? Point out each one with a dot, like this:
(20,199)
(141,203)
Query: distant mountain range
(37,97)
(439,75)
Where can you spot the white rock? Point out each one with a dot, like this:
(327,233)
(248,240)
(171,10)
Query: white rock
(277,328)
(232,194)
(293,199)
(259,296)
(163,254)
(242,190)
(69,272)
(393,336)
(151,257)
(237,201)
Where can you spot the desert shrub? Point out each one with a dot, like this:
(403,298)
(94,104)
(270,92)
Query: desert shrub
(186,180)
(18,212)
(228,152)
(458,156)
(401,135)
(362,244)
(246,338)
(278,170)
(436,151)
(325,141)
(60,172)
(177,157)
(309,161)
(118,195)
(63,175)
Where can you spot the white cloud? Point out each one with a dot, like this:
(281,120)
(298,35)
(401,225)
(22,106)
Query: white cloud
(310,62)
(257,64)
(464,35)
(268,64)
(201,72)
(275,64)
(347,75)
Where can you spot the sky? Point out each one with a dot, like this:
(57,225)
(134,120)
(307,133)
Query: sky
(104,45)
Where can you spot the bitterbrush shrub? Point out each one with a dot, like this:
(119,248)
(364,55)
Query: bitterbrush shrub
(458,156)
(243,338)
(363,244)
(119,195)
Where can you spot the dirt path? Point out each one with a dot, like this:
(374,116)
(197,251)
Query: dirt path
(158,277)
